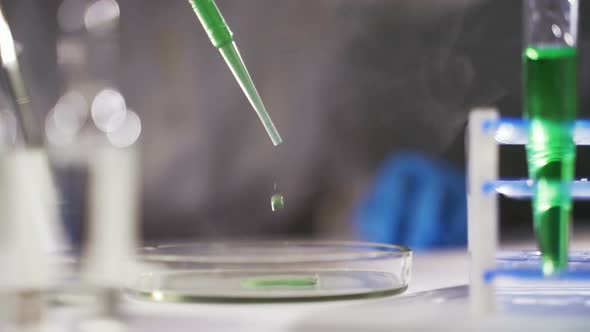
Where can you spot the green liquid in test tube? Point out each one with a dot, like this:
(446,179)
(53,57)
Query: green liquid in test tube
(222,38)
(550,61)
(551,104)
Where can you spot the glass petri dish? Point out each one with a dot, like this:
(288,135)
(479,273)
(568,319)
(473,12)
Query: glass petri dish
(258,272)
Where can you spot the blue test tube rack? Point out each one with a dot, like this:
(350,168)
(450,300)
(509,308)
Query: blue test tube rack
(486,132)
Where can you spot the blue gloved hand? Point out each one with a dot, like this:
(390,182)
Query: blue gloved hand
(415,201)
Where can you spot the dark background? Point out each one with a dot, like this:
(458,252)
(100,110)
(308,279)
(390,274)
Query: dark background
(348,83)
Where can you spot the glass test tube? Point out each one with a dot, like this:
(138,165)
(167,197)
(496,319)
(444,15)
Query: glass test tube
(550,61)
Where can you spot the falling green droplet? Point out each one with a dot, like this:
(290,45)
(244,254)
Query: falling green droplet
(277,202)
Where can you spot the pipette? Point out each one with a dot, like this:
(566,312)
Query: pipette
(222,38)
(14,85)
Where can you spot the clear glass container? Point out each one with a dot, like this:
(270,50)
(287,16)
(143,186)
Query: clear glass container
(291,271)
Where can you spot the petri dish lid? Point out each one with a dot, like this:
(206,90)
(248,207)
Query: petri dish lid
(270,271)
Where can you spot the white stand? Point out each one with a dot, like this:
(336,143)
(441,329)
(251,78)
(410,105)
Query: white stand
(482,210)
(486,132)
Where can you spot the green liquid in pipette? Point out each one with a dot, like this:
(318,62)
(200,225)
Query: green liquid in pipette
(551,102)
(234,61)
(223,39)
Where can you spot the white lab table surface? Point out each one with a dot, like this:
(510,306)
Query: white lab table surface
(430,271)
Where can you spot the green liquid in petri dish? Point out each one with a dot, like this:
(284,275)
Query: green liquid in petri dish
(280,281)
(551,102)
